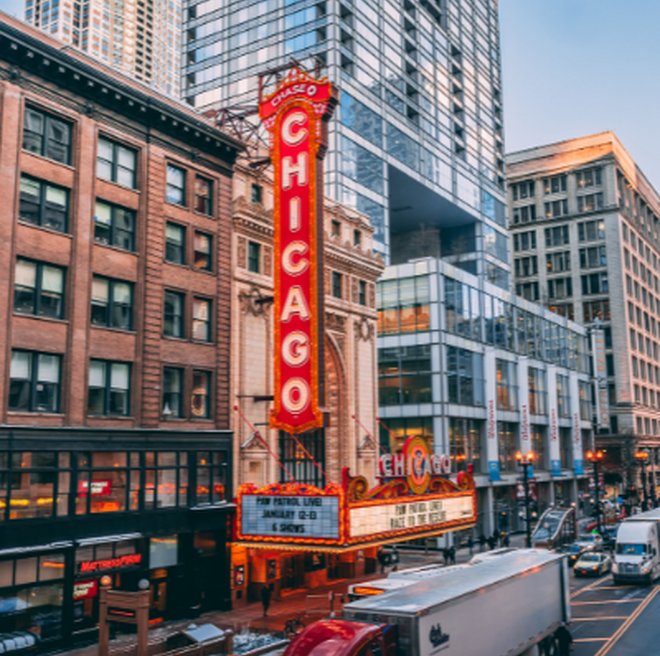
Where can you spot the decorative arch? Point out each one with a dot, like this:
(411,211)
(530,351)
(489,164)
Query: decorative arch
(336,443)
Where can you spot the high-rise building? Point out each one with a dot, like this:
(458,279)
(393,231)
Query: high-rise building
(141,38)
(586,239)
(417,139)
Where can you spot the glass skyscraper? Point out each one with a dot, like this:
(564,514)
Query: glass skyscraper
(417,142)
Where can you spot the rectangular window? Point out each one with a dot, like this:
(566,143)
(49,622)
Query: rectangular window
(201,326)
(589,177)
(591,230)
(256,194)
(590,203)
(202,252)
(558,262)
(595,283)
(537,436)
(526,266)
(109,388)
(404,375)
(335,228)
(593,257)
(524,241)
(522,190)
(556,208)
(200,407)
(537,391)
(357,237)
(557,236)
(465,384)
(403,305)
(465,444)
(597,310)
(507,388)
(528,290)
(34,382)
(172,392)
(46,135)
(362,292)
(584,390)
(254,257)
(114,225)
(112,303)
(563,396)
(203,196)
(43,204)
(176,185)
(336,284)
(559,288)
(39,289)
(116,163)
(563,310)
(506,439)
(524,214)
(173,314)
(175,243)
(555,185)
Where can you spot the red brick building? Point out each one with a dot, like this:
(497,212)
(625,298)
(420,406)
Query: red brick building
(115,283)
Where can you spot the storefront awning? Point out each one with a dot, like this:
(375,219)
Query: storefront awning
(42,547)
(88,542)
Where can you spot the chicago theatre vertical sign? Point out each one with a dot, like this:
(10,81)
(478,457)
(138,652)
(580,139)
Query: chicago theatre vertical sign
(296,116)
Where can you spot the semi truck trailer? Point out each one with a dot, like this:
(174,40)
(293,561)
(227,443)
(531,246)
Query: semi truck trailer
(507,606)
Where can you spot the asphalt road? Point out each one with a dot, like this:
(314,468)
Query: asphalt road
(620,620)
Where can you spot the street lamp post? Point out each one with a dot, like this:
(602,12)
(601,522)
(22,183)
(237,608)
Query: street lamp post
(595,458)
(525,461)
(642,456)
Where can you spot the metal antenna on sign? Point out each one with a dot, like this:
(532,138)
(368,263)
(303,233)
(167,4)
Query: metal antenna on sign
(306,452)
(369,435)
(256,433)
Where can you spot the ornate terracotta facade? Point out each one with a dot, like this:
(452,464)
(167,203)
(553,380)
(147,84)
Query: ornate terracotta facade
(351,271)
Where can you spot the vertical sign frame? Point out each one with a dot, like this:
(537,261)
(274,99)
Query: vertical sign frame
(296,115)
(600,370)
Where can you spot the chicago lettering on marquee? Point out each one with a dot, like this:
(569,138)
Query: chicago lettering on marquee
(296,116)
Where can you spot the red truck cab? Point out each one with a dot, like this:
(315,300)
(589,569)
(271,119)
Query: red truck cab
(344,638)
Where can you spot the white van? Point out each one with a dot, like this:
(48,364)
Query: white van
(637,552)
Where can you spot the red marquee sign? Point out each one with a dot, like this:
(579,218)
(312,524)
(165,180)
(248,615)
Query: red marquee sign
(296,116)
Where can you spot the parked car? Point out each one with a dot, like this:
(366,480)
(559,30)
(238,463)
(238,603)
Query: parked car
(592,563)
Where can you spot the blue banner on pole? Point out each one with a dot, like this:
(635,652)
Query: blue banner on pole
(555,467)
(530,471)
(494,470)
(579,467)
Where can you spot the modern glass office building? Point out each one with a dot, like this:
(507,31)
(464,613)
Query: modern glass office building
(417,141)
(482,374)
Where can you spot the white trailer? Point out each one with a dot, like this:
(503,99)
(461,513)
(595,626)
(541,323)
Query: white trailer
(637,550)
(502,607)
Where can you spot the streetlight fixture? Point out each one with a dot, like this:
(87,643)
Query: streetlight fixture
(595,457)
(642,456)
(525,461)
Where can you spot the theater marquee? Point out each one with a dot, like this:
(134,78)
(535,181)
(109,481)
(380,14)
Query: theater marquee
(296,116)
(414,500)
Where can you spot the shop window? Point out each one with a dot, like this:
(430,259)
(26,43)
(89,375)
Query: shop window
(116,163)
(175,243)
(43,204)
(34,382)
(114,226)
(465,444)
(176,185)
(507,446)
(112,303)
(46,135)
(172,392)
(39,289)
(201,320)
(211,477)
(200,397)
(538,446)
(161,480)
(202,252)
(403,305)
(203,196)
(102,482)
(109,388)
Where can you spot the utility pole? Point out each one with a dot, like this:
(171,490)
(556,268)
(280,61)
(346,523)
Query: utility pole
(595,457)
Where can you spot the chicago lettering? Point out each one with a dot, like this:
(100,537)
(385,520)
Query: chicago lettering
(398,465)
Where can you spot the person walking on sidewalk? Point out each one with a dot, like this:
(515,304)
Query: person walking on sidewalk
(470,544)
(482,542)
(265,598)
(452,554)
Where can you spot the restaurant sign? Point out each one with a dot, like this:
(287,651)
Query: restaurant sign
(412,501)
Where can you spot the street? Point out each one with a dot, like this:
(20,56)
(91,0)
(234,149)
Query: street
(615,620)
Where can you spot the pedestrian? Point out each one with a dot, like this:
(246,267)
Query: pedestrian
(496,536)
(470,544)
(564,639)
(492,542)
(482,542)
(265,598)
(382,559)
(505,540)
(452,555)
(445,555)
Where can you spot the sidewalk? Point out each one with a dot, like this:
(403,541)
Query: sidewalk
(251,616)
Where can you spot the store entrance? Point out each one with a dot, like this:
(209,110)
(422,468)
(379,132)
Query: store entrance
(293,571)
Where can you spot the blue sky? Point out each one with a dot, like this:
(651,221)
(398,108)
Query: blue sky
(576,67)
(572,68)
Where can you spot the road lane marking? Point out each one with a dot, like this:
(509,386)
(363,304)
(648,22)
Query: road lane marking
(624,627)
(596,619)
(616,587)
(612,601)
(584,589)
(590,639)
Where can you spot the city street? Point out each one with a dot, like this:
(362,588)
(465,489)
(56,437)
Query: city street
(615,620)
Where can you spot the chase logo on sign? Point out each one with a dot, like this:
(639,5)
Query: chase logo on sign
(437,637)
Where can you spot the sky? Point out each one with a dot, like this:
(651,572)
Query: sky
(576,67)
(572,68)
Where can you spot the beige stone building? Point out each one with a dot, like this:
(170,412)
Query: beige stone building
(351,271)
